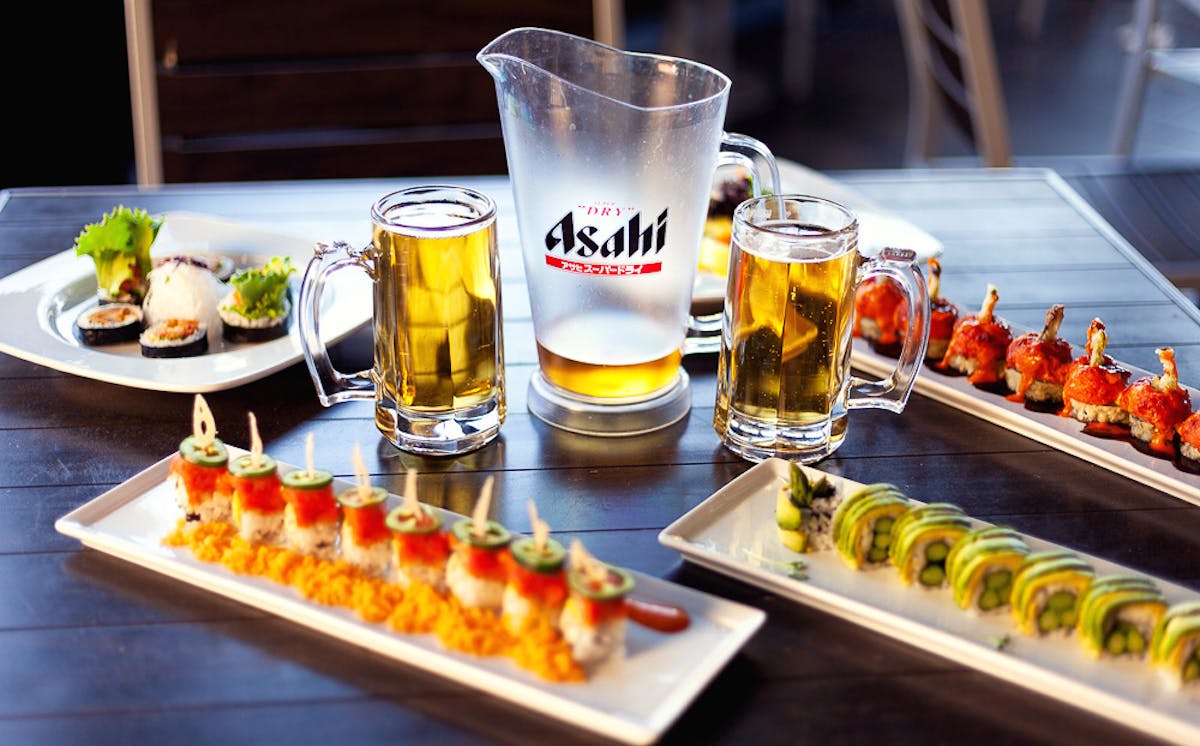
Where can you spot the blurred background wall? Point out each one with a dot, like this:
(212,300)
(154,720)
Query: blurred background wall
(68,115)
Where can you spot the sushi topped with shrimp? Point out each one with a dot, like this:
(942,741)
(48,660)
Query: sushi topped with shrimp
(1094,382)
(1156,405)
(943,315)
(365,538)
(419,545)
(537,585)
(593,619)
(475,572)
(258,504)
(876,303)
(1036,363)
(979,345)
(310,518)
(199,471)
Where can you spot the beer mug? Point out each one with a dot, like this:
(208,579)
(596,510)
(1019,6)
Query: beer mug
(438,377)
(612,156)
(783,382)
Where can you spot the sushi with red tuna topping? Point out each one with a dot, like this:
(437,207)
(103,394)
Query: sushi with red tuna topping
(419,545)
(1094,382)
(980,343)
(310,516)
(1037,362)
(593,619)
(199,473)
(366,538)
(1156,405)
(475,572)
(537,586)
(258,505)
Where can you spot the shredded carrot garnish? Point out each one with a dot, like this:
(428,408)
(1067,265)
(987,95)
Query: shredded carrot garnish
(417,609)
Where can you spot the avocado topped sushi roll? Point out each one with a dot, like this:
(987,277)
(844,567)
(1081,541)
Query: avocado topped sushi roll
(199,470)
(366,538)
(1175,647)
(594,616)
(1046,591)
(1118,615)
(862,527)
(804,512)
(311,517)
(258,308)
(922,539)
(475,572)
(537,586)
(419,545)
(258,505)
(981,565)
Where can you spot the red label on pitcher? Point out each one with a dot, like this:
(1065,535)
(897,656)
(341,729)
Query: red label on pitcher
(575,244)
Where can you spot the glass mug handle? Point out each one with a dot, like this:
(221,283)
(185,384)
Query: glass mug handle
(332,385)
(704,332)
(891,393)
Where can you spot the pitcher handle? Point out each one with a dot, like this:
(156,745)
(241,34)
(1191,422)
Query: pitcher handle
(704,332)
(332,385)
(891,393)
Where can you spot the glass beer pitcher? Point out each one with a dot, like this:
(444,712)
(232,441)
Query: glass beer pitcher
(611,156)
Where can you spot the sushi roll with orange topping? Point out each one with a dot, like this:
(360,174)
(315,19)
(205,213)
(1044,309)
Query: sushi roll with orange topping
(1037,362)
(199,472)
(419,546)
(475,572)
(1156,405)
(979,343)
(537,585)
(258,505)
(943,315)
(1094,382)
(310,517)
(594,616)
(875,307)
(366,539)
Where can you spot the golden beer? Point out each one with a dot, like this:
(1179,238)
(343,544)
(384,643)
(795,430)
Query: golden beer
(437,324)
(609,381)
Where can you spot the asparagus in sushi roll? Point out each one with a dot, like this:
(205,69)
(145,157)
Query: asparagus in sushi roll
(537,586)
(980,343)
(1156,405)
(1037,362)
(862,527)
(980,567)
(1046,590)
(258,308)
(198,472)
(1118,615)
(804,511)
(366,539)
(311,517)
(419,546)
(475,572)
(922,539)
(594,616)
(1175,647)
(1094,383)
(258,505)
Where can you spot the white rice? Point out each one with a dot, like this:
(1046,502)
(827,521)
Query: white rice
(475,592)
(180,290)
(1038,391)
(591,644)
(261,528)
(1109,414)
(818,523)
(371,558)
(214,508)
(516,611)
(433,576)
(318,540)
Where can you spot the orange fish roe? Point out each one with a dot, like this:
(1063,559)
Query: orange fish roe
(417,609)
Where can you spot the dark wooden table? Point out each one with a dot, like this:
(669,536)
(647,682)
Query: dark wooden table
(96,649)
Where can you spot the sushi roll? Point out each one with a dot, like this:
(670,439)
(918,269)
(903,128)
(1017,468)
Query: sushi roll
(258,505)
(1156,405)
(1175,647)
(1046,590)
(174,338)
(876,302)
(109,323)
(366,538)
(922,539)
(258,308)
(979,344)
(593,618)
(981,565)
(1037,363)
(537,585)
(1118,615)
(198,472)
(943,315)
(419,546)
(1189,438)
(1094,382)
(475,572)
(181,290)
(804,512)
(862,527)
(310,516)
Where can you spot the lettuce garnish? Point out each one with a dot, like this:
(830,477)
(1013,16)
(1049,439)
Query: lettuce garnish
(260,292)
(119,245)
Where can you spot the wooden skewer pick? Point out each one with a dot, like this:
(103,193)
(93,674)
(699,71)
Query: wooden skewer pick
(360,475)
(480,516)
(541,529)
(412,506)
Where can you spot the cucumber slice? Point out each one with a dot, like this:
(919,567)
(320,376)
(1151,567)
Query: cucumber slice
(495,537)
(352,499)
(404,522)
(617,583)
(214,455)
(300,479)
(243,467)
(548,559)
(937,551)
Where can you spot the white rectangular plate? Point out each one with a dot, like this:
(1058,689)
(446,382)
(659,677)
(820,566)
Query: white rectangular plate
(39,305)
(1064,433)
(733,532)
(633,700)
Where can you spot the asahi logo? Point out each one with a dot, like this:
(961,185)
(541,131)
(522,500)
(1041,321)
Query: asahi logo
(577,239)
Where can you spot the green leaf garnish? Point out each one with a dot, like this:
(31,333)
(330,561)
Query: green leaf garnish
(119,245)
(260,292)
